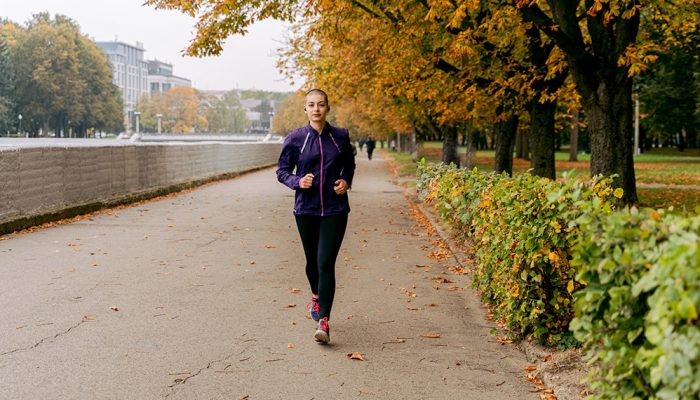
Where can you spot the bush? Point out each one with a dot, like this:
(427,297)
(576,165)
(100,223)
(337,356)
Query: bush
(524,228)
(634,274)
(638,314)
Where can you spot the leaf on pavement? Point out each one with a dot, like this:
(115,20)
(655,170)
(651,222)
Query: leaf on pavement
(290,345)
(114,308)
(290,305)
(270,246)
(431,335)
(88,318)
(296,290)
(356,356)
(530,368)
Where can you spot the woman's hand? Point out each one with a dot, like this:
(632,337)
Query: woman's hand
(306,181)
(341,187)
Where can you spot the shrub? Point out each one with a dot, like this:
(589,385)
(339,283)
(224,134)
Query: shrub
(638,313)
(524,228)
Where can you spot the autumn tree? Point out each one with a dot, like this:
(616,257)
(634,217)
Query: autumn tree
(6,87)
(179,108)
(63,82)
(290,114)
(599,40)
(225,115)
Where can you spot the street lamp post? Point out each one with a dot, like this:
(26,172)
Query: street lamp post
(137,115)
(159,116)
(636,122)
(19,128)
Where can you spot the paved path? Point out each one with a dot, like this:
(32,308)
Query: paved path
(202,284)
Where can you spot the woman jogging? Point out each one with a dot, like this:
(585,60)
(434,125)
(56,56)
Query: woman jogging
(317,162)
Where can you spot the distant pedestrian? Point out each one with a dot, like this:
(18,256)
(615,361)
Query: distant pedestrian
(393,145)
(371,144)
(362,143)
(317,162)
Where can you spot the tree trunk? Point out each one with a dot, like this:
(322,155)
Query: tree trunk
(469,143)
(519,150)
(609,115)
(450,152)
(414,145)
(542,136)
(504,137)
(573,139)
(526,144)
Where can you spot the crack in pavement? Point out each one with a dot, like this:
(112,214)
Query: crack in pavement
(37,344)
(184,380)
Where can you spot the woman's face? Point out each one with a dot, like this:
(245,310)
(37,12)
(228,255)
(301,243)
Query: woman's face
(316,108)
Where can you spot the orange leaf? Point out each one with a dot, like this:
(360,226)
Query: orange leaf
(356,356)
(431,335)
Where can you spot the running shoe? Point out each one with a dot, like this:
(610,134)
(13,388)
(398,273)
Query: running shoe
(314,308)
(323,332)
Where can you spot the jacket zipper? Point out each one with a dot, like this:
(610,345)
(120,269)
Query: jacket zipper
(320,186)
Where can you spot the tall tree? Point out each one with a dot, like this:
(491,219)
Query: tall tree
(226,115)
(599,39)
(179,108)
(63,81)
(6,87)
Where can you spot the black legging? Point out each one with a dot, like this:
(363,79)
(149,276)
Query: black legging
(321,238)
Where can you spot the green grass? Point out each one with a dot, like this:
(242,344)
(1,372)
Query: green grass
(658,166)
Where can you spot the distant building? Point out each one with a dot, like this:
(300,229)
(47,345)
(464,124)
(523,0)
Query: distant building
(161,78)
(130,71)
(260,113)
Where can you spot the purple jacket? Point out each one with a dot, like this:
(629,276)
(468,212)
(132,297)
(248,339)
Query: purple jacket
(329,157)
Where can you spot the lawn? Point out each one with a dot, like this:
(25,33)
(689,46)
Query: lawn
(657,171)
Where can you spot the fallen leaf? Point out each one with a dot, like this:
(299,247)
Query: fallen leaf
(547,358)
(270,246)
(88,318)
(72,245)
(356,356)
(290,345)
(296,290)
(114,308)
(530,368)
(71,270)
(431,335)
(290,305)
(170,225)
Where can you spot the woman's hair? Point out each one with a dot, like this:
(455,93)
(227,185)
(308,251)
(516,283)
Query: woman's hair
(318,91)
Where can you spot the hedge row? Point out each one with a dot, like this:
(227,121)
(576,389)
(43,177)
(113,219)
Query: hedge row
(551,250)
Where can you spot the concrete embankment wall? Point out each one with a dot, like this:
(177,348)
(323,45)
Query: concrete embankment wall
(44,183)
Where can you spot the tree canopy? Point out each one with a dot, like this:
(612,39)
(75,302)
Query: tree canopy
(448,67)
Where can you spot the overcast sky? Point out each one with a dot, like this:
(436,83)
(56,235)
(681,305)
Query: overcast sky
(247,62)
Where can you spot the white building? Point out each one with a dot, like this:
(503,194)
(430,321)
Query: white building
(130,71)
(161,78)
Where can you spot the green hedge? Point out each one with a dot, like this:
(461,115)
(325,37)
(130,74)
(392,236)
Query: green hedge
(524,228)
(549,249)
(638,313)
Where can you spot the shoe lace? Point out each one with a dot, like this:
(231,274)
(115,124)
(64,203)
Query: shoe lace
(315,305)
(323,324)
